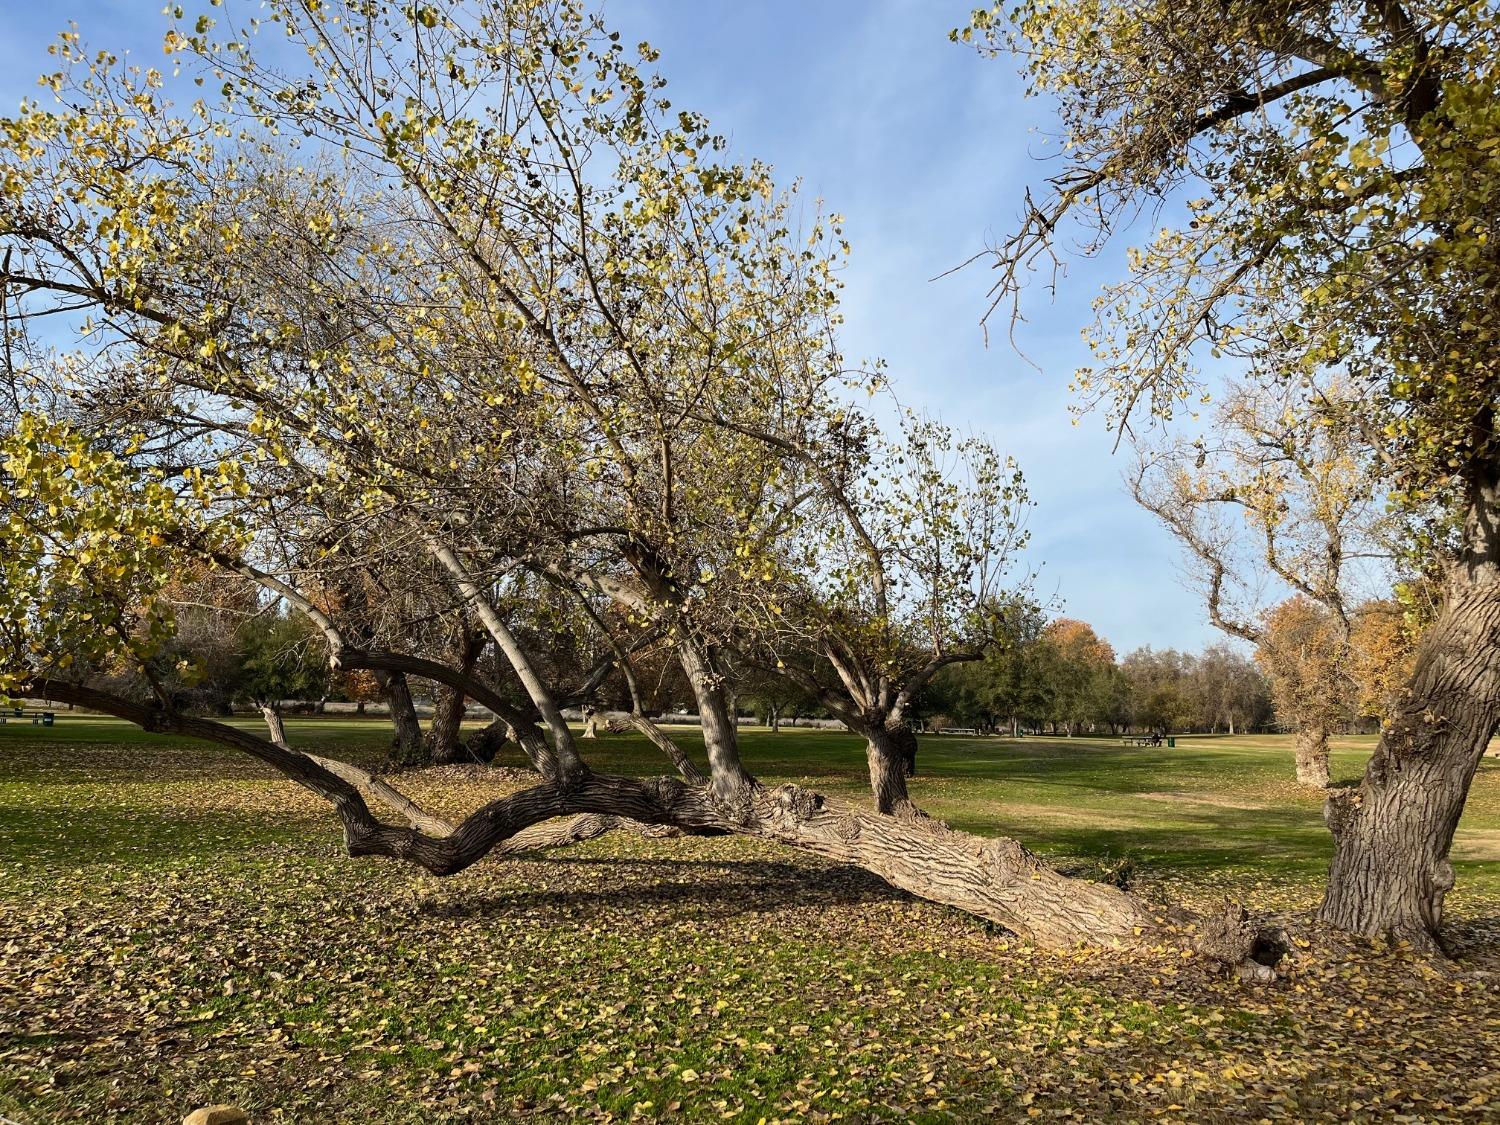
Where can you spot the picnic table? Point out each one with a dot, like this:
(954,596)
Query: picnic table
(38,718)
(1142,740)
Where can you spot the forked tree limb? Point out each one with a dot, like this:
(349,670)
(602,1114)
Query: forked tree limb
(399,802)
(538,837)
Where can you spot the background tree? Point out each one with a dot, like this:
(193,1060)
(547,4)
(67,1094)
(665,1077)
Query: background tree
(1337,245)
(1261,506)
(1304,654)
(281,657)
(210,616)
(1383,649)
(358,685)
(897,570)
(1160,697)
(1228,690)
(1083,662)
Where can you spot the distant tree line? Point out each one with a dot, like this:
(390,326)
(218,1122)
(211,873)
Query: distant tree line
(1307,676)
(1062,677)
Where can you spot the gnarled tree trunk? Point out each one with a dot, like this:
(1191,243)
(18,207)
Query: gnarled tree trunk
(995,879)
(1312,756)
(891,750)
(444,746)
(407,746)
(1390,868)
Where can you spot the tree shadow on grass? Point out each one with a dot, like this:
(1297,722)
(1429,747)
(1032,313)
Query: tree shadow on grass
(724,889)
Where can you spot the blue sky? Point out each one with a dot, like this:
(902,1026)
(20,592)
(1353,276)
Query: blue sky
(925,148)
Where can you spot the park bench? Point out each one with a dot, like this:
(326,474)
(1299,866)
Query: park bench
(1142,740)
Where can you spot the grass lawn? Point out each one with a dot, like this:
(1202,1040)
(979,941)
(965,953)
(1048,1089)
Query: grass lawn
(178,927)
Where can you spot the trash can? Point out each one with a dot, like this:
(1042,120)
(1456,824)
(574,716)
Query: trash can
(48,718)
(1171,743)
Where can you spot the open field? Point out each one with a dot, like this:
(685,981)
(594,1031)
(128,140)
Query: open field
(177,927)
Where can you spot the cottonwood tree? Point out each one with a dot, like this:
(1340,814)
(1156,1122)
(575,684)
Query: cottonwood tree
(1227,689)
(1083,662)
(1307,659)
(1261,505)
(280,658)
(1159,692)
(1336,244)
(1384,640)
(506,313)
(895,569)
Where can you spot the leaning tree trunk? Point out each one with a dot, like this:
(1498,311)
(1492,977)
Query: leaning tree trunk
(407,746)
(1312,756)
(995,879)
(1390,869)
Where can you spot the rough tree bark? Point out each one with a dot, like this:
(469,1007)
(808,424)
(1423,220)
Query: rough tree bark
(1390,870)
(274,723)
(444,746)
(1312,756)
(407,746)
(891,750)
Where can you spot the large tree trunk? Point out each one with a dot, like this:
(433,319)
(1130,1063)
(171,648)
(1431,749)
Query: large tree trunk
(407,745)
(892,755)
(443,733)
(1312,756)
(444,747)
(1390,868)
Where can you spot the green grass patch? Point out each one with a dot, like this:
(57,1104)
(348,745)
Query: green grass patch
(179,927)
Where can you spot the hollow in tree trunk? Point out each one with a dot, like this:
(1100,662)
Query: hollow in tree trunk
(407,745)
(485,745)
(1312,756)
(1390,869)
